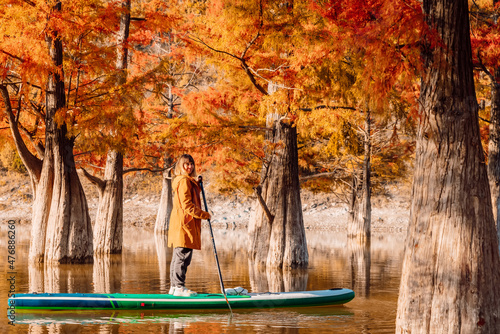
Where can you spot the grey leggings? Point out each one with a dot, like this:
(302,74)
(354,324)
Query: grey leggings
(181,258)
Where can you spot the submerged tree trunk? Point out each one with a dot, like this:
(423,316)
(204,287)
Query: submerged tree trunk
(282,243)
(69,230)
(61,230)
(42,197)
(450,272)
(108,227)
(361,215)
(41,174)
(166,204)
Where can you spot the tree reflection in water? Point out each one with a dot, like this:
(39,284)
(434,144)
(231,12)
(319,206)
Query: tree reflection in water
(107,274)
(360,258)
(264,279)
(371,270)
(164,254)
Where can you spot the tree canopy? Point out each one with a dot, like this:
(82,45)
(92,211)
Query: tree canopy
(203,75)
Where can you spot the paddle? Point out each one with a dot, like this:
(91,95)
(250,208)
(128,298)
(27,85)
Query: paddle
(200,180)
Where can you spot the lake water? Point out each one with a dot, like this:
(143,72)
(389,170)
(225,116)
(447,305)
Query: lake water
(143,267)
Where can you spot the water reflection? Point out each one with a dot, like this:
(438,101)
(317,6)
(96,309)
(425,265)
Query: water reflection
(276,280)
(58,278)
(214,321)
(55,278)
(36,280)
(164,254)
(107,273)
(373,272)
(360,259)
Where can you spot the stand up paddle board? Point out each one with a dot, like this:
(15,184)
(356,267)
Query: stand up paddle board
(118,301)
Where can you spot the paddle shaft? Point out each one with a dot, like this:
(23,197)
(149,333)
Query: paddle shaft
(213,244)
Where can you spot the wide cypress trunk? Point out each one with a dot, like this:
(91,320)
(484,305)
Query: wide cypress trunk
(61,230)
(450,272)
(69,232)
(41,174)
(280,243)
(359,226)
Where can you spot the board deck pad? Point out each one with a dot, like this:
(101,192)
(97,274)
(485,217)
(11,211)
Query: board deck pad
(119,301)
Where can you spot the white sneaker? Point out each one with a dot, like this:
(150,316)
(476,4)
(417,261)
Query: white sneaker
(183,292)
(172,290)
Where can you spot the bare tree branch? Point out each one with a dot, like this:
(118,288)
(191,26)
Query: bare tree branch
(32,163)
(327,174)
(258,192)
(152,170)
(327,107)
(11,55)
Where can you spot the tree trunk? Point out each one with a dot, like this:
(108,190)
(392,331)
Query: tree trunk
(353,200)
(281,244)
(69,231)
(41,174)
(108,227)
(61,230)
(166,204)
(42,192)
(450,272)
(360,225)
(494,150)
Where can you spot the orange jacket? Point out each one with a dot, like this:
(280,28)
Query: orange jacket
(185,219)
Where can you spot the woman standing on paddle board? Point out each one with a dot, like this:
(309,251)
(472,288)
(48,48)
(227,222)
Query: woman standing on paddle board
(184,232)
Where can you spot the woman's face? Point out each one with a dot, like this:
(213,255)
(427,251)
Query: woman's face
(188,167)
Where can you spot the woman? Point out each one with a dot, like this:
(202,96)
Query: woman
(184,232)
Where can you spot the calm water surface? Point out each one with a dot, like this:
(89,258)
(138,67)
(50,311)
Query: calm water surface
(143,267)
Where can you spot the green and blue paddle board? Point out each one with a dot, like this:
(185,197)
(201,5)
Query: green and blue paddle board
(119,301)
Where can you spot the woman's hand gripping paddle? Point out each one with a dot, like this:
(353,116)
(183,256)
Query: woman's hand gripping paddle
(200,180)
